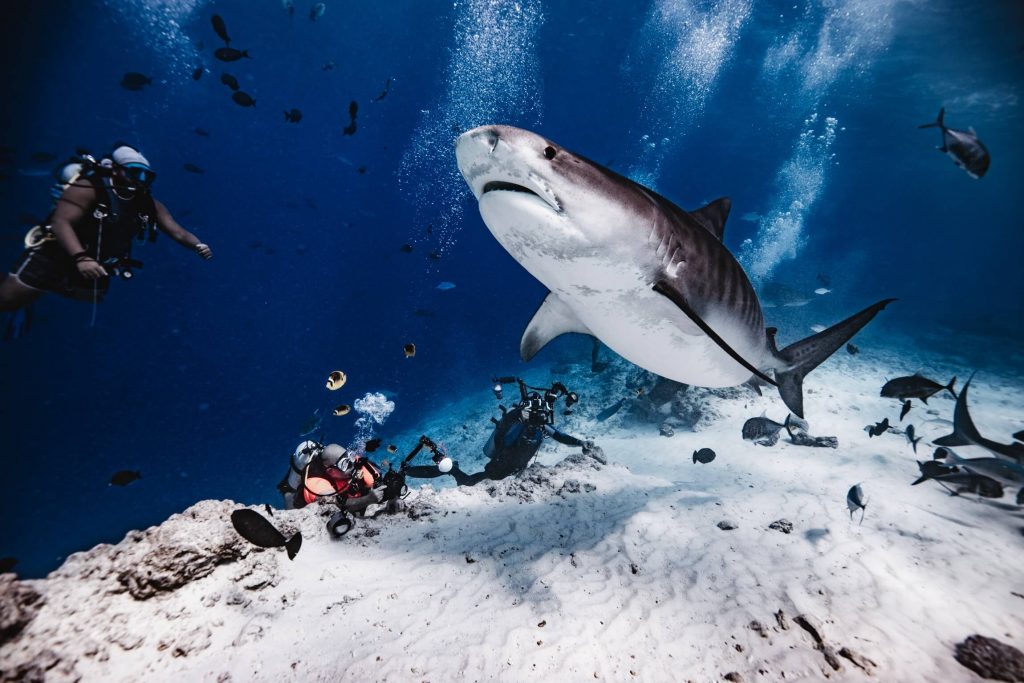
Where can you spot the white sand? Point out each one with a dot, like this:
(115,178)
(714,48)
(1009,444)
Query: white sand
(632,580)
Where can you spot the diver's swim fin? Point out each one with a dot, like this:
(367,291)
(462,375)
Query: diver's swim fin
(17,323)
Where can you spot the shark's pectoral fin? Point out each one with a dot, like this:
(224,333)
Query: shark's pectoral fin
(670,293)
(552,319)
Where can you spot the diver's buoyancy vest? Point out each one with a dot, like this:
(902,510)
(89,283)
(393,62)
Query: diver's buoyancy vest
(115,221)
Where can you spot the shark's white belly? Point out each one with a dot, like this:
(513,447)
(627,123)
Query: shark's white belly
(617,304)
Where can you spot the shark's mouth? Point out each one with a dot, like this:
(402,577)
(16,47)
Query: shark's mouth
(502,186)
(547,196)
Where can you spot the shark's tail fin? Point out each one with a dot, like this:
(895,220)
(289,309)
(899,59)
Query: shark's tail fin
(965,433)
(293,544)
(937,123)
(800,358)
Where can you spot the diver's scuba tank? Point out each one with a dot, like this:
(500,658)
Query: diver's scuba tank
(291,483)
(84,165)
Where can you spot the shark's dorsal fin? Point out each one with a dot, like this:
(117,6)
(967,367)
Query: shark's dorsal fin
(551,320)
(713,216)
(666,290)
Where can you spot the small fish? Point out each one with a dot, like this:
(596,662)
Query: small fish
(289,6)
(392,448)
(915,386)
(361,170)
(931,469)
(372,445)
(434,255)
(243,99)
(230,54)
(197,74)
(905,409)
(353,108)
(192,168)
(317,11)
(292,115)
(336,380)
(229,80)
(757,428)
(220,28)
(406,249)
(410,350)
(610,410)
(133,80)
(201,133)
(852,349)
(910,437)
(384,93)
(329,66)
(855,501)
(125,477)
(878,428)
(270,510)
(963,146)
(822,291)
(7,564)
(342,410)
(444,286)
(703,456)
(257,529)
(818,328)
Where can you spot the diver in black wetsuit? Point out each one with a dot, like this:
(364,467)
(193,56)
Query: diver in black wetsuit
(517,436)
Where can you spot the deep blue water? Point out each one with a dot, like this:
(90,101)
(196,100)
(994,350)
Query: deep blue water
(200,374)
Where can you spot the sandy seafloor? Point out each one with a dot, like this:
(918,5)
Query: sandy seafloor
(624,574)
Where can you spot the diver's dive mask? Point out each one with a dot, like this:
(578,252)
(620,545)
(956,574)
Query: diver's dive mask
(139,175)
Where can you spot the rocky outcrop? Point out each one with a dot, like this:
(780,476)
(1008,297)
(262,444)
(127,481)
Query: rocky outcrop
(19,603)
(992,659)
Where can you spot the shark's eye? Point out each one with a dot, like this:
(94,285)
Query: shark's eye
(549,152)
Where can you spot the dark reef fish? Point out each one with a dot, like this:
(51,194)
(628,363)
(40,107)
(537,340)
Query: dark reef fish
(406,249)
(852,349)
(384,92)
(911,438)
(610,410)
(197,74)
(930,469)
(855,501)
(353,109)
(878,428)
(230,54)
(201,133)
(762,429)
(133,80)
(703,456)
(229,80)
(317,11)
(963,146)
(257,529)
(372,445)
(292,115)
(220,28)
(915,386)
(243,99)
(125,477)
(905,409)
(192,168)
(965,433)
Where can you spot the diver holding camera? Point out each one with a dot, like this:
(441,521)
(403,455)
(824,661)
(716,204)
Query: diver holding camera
(517,435)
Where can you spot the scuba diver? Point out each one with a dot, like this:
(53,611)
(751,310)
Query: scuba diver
(351,479)
(87,239)
(516,438)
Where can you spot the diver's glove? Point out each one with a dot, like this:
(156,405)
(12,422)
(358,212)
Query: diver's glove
(204,251)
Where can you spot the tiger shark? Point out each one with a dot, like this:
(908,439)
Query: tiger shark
(625,265)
